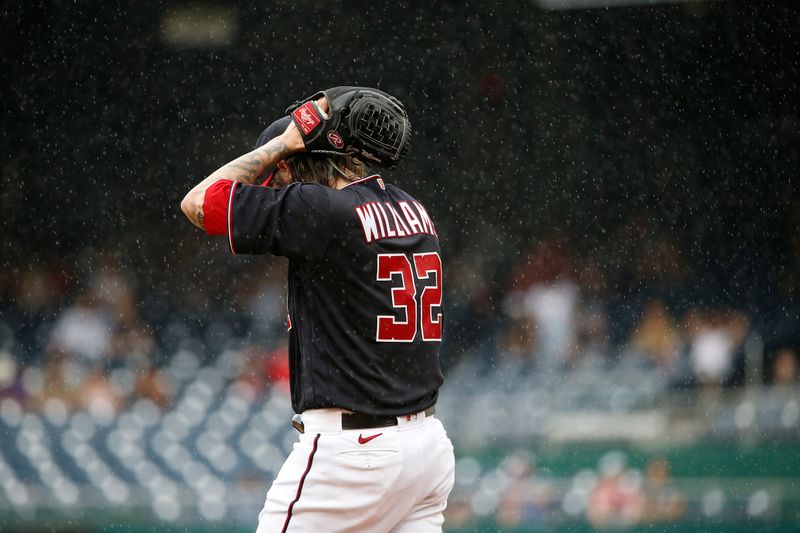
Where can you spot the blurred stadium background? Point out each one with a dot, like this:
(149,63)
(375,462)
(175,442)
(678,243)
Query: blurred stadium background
(616,192)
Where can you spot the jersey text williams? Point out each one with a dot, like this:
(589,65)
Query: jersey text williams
(382,220)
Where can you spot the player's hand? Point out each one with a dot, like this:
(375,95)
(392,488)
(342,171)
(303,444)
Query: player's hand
(292,138)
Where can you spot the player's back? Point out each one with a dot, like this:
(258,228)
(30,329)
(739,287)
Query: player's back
(367,317)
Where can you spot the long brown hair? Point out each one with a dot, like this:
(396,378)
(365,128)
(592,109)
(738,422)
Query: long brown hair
(322,168)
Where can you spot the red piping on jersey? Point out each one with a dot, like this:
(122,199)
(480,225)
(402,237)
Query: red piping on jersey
(362,180)
(230,215)
(300,486)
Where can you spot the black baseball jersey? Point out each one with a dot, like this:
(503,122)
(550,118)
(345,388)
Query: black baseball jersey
(365,291)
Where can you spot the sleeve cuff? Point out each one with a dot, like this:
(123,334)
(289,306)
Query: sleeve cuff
(216,204)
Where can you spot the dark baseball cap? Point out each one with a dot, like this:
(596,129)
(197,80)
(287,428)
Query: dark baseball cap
(273,130)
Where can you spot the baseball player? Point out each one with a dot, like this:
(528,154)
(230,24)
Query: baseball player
(365,315)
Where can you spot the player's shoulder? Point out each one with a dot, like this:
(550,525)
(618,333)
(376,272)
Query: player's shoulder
(311,194)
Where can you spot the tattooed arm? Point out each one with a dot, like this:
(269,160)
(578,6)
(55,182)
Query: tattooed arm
(245,169)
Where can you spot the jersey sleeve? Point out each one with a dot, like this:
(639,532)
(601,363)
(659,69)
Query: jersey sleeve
(293,222)
(215,207)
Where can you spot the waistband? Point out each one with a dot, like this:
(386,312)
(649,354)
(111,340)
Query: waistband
(335,419)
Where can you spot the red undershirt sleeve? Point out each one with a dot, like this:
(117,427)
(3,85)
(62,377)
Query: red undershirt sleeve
(215,207)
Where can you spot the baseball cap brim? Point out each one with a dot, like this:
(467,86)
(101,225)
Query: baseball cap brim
(272,131)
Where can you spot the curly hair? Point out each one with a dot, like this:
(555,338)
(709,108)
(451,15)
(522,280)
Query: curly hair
(325,168)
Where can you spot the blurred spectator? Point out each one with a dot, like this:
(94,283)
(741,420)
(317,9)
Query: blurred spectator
(266,305)
(645,263)
(553,308)
(592,342)
(98,395)
(36,295)
(593,327)
(10,385)
(458,513)
(663,501)
(115,290)
(528,499)
(154,385)
(276,366)
(656,336)
(83,330)
(113,287)
(62,379)
(783,326)
(738,324)
(547,262)
(474,318)
(784,367)
(264,370)
(617,499)
(517,340)
(132,339)
(712,354)
(549,298)
(252,380)
(33,296)
(716,337)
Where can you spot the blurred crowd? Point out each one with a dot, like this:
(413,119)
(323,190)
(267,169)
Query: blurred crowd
(614,495)
(97,337)
(557,310)
(98,341)
(648,217)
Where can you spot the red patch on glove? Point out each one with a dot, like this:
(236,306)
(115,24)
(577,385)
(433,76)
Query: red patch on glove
(306,117)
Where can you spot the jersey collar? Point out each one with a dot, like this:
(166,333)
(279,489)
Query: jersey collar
(362,180)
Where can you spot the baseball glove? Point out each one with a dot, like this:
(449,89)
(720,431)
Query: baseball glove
(361,122)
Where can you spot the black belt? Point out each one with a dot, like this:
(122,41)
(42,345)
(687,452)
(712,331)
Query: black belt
(362,421)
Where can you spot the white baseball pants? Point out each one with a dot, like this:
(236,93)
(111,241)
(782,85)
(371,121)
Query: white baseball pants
(392,479)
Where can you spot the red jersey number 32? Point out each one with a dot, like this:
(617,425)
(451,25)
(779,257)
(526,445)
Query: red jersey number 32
(418,309)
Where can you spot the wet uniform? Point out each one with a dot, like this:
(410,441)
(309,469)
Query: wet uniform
(365,296)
